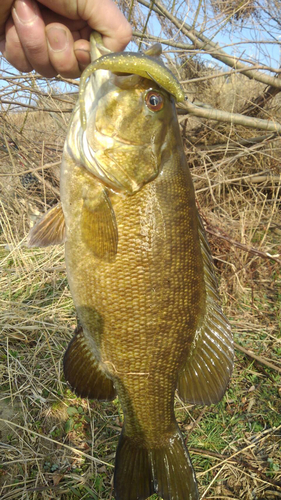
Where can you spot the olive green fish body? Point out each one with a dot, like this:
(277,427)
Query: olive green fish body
(149,301)
(139,270)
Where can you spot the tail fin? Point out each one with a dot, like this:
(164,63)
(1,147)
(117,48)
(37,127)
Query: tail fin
(165,470)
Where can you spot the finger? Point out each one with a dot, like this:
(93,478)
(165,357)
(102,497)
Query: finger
(106,18)
(12,49)
(101,15)
(61,50)
(31,32)
(49,16)
(82,53)
(80,32)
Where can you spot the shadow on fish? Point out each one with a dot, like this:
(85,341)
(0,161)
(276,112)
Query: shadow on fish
(139,268)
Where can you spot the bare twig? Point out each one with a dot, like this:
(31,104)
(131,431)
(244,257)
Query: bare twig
(233,118)
(42,436)
(200,41)
(31,170)
(231,144)
(47,183)
(252,250)
(258,103)
(257,358)
(35,107)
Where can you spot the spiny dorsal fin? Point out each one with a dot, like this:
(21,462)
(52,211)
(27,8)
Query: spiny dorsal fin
(83,372)
(209,366)
(98,226)
(50,230)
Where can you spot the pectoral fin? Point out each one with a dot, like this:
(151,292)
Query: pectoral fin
(83,372)
(208,368)
(99,227)
(50,230)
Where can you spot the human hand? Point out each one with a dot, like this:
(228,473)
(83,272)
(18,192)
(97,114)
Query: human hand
(53,37)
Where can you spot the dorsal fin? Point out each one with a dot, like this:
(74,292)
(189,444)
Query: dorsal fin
(208,368)
(154,50)
(98,225)
(50,230)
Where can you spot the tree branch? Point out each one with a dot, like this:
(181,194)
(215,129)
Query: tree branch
(233,118)
(200,41)
(252,250)
(257,104)
(259,359)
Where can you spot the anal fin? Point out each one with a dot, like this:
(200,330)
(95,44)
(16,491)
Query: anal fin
(83,372)
(207,372)
(50,230)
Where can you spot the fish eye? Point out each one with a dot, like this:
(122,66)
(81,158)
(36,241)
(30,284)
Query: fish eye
(154,100)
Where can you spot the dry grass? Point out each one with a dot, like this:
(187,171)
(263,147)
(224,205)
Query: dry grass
(56,446)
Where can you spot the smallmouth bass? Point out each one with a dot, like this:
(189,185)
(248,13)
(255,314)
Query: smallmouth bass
(139,268)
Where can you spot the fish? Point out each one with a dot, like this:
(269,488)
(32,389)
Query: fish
(139,268)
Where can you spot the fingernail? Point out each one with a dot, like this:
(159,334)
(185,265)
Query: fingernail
(26,10)
(57,38)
